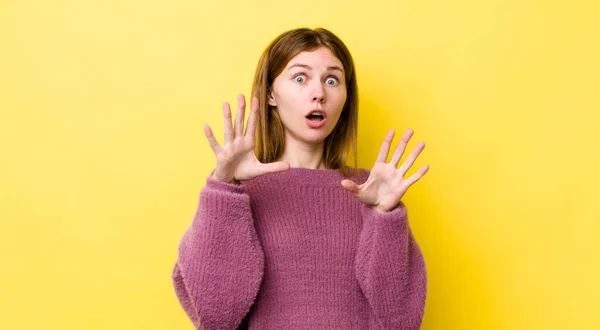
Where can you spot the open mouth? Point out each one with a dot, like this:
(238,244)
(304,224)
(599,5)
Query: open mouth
(315,118)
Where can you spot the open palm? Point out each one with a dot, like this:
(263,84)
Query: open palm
(386,184)
(236,160)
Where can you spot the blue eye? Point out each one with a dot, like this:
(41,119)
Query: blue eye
(331,81)
(300,79)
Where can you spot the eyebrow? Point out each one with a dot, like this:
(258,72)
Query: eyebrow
(334,67)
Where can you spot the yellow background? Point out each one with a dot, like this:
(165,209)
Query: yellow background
(103,154)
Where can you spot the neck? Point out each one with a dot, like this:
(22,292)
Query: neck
(304,155)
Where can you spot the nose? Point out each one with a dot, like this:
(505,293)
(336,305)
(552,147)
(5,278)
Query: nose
(318,93)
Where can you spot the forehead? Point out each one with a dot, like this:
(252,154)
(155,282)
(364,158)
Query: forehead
(320,57)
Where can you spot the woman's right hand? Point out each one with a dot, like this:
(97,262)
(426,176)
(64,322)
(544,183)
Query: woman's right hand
(236,160)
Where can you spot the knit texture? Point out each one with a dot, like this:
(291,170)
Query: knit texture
(295,250)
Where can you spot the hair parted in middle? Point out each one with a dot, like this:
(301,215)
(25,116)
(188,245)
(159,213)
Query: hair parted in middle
(269,135)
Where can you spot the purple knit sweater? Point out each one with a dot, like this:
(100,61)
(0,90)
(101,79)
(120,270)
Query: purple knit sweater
(295,250)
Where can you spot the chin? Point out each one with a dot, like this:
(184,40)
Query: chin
(316,138)
(310,135)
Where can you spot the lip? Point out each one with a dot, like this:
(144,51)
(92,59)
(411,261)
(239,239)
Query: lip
(319,124)
(320,111)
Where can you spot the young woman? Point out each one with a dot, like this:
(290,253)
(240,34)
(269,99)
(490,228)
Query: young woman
(284,236)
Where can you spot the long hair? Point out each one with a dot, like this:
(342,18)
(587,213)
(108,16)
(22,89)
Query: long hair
(269,137)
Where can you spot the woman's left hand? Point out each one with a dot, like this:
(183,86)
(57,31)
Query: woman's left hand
(386,184)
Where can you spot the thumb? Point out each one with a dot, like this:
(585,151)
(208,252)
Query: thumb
(350,186)
(275,167)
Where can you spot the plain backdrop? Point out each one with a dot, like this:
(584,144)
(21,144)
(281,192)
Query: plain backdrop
(103,155)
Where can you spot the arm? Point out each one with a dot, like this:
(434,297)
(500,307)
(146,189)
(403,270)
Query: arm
(390,269)
(220,262)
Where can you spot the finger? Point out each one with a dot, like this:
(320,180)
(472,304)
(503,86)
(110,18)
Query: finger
(415,177)
(350,186)
(228,129)
(401,147)
(385,147)
(252,118)
(238,129)
(214,145)
(274,167)
(411,159)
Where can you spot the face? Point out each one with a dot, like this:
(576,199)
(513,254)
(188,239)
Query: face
(311,82)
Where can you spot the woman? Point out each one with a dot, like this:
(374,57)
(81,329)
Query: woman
(283,237)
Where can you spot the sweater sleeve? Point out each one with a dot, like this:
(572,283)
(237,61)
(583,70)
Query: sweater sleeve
(390,269)
(220,262)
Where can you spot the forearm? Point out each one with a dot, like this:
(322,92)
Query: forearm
(391,269)
(220,262)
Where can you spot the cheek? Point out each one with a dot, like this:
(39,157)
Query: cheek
(287,94)
(341,98)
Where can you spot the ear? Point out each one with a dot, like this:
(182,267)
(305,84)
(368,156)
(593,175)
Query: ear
(272,100)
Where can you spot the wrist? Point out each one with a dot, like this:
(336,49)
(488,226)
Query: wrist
(379,209)
(232,181)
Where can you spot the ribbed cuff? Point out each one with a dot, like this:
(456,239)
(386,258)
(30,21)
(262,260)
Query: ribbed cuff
(223,186)
(399,213)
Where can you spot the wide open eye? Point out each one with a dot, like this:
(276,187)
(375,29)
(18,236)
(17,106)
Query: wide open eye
(300,78)
(332,81)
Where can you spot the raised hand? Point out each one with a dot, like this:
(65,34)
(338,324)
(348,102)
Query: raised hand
(236,160)
(386,184)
